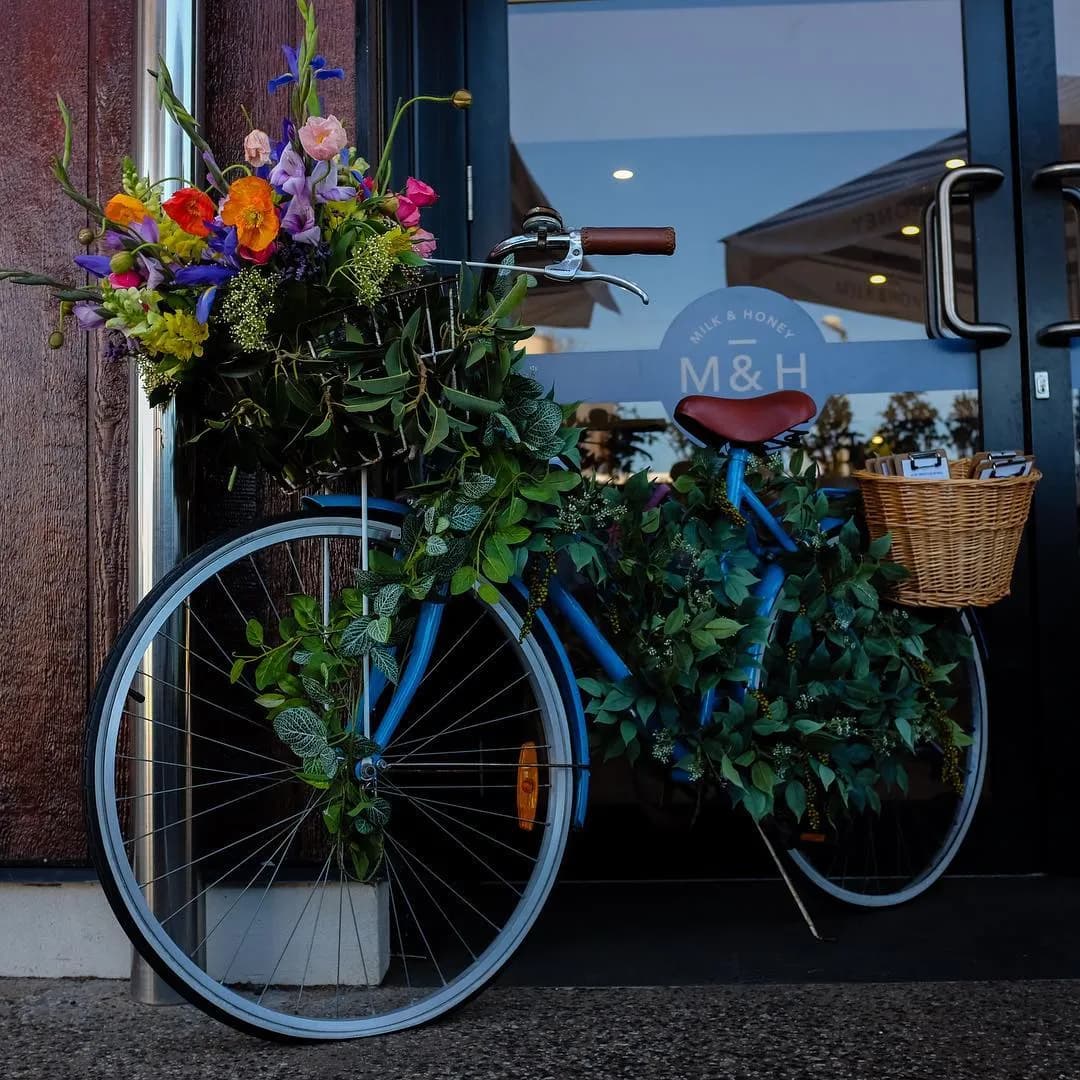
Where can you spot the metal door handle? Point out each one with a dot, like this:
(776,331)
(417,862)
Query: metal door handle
(979,176)
(1059,333)
(931,259)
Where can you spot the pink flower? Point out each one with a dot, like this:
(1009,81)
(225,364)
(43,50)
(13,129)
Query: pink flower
(323,137)
(129,279)
(423,243)
(257,148)
(408,213)
(419,193)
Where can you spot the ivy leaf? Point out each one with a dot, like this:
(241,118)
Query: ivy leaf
(301,731)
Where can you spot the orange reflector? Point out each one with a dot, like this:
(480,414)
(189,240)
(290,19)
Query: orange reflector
(528,786)
(812,838)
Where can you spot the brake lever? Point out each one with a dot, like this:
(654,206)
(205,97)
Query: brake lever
(570,270)
(557,273)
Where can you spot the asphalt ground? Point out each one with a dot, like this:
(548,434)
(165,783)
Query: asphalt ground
(980,978)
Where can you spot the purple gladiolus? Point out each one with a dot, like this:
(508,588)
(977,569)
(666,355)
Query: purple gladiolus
(89,315)
(98,265)
(203,274)
(206,302)
(289,174)
(299,220)
(326,187)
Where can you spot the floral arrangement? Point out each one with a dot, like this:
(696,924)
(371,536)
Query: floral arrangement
(228,295)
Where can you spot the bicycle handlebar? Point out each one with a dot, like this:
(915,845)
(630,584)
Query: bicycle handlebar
(631,240)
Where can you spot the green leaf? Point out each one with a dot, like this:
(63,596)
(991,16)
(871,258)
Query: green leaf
(302,731)
(628,730)
(763,777)
(384,660)
(353,404)
(306,612)
(488,593)
(354,637)
(253,631)
(592,687)
(465,517)
(321,428)
(440,428)
(795,796)
(880,547)
(723,627)
(582,554)
(386,384)
(436,545)
(731,774)
(471,402)
(379,629)
(270,701)
(387,598)
(477,486)
(462,581)
(237,669)
(675,620)
(617,700)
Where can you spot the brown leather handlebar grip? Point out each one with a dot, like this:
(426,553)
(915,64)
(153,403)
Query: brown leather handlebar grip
(628,241)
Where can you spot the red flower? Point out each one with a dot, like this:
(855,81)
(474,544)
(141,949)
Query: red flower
(192,210)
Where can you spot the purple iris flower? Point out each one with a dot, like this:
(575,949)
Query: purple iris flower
(206,302)
(146,230)
(89,315)
(299,220)
(98,265)
(203,274)
(222,241)
(111,243)
(318,69)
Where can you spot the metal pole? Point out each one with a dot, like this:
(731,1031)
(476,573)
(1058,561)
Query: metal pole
(171,29)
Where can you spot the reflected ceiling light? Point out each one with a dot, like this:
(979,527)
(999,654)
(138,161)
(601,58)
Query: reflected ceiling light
(623,174)
(955,163)
(910,230)
(877,279)
(877,440)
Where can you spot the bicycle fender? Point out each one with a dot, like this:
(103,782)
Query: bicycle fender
(351,502)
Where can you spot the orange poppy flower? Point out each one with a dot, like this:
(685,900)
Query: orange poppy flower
(250,207)
(191,209)
(125,210)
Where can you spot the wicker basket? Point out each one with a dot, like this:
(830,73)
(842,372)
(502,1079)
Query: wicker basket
(958,537)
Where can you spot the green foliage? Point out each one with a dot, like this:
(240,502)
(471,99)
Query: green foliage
(848,687)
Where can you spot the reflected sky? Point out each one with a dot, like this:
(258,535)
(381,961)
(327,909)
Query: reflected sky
(728,113)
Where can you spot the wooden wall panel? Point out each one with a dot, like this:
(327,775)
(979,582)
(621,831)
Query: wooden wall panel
(62,424)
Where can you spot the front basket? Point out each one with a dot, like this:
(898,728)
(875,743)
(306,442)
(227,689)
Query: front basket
(958,538)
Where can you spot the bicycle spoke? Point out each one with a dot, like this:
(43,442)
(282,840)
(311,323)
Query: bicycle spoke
(408,903)
(314,927)
(207,738)
(266,591)
(467,727)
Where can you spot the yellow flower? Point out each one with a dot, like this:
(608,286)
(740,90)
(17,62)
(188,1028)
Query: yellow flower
(397,241)
(178,242)
(125,209)
(177,333)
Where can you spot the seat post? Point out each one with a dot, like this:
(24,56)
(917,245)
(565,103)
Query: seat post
(736,474)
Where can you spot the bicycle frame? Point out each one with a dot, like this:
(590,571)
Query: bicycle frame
(769,585)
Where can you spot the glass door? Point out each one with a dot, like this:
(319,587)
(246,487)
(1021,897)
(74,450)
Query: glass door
(799,149)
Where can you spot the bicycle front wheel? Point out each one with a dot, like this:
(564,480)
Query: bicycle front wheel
(887,857)
(213,848)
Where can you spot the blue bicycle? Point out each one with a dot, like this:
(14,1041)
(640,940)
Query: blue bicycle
(212,851)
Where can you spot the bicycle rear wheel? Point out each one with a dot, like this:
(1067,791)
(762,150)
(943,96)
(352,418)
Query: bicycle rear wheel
(880,859)
(250,910)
